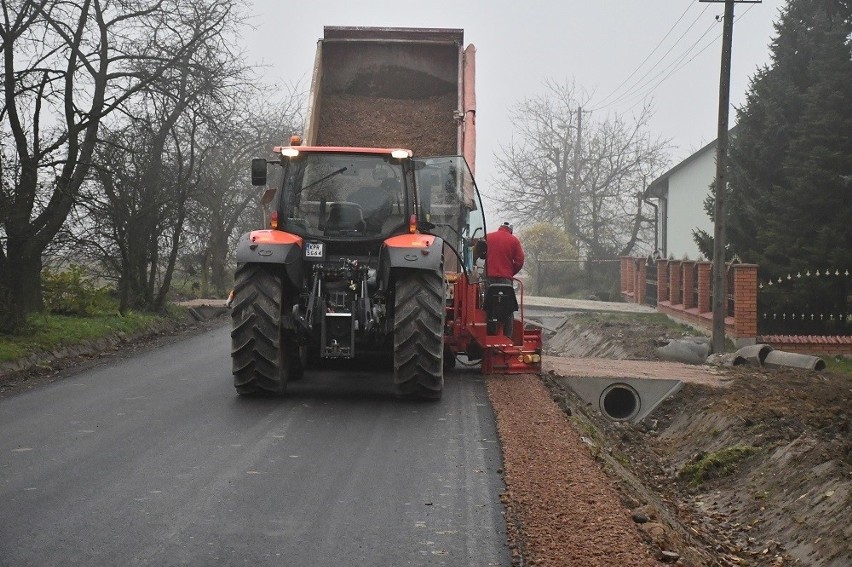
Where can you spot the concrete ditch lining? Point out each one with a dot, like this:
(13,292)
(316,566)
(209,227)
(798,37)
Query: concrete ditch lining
(622,399)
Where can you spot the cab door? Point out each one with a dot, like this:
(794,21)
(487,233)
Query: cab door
(449,206)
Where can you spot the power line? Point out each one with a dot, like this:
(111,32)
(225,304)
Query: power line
(685,63)
(656,47)
(642,92)
(654,66)
(639,93)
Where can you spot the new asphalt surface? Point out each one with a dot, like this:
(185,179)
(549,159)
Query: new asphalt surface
(154,460)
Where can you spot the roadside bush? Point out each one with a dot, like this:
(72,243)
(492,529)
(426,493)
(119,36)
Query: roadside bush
(599,280)
(70,293)
(558,280)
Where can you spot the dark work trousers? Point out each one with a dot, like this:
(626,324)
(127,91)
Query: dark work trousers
(509,319)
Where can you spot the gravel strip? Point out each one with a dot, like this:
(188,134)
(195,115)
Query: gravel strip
(561,507)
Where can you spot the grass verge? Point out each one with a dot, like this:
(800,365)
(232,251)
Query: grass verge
(45,332)
(838,364)
(645,318)
(716,464)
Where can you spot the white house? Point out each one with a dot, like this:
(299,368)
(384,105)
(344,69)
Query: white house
(681,192)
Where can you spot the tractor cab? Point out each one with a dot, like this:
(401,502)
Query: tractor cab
(332,194)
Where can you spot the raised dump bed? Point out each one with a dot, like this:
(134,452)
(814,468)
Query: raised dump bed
(392,87)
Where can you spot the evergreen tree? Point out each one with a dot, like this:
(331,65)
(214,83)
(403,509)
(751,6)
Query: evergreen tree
(790,177)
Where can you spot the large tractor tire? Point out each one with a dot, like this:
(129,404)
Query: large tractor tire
(263,355)
(418,335)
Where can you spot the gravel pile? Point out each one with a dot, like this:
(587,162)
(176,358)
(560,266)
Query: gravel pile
(561,507)
(426,126)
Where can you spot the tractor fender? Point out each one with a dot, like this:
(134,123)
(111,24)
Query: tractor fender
(273,247)
(410,252)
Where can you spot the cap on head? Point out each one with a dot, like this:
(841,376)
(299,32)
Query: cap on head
(507,226)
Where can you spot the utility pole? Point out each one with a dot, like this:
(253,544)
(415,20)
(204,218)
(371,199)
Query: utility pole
(576,183)
(720,294)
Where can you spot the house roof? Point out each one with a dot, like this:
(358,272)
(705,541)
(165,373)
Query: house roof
(658,187)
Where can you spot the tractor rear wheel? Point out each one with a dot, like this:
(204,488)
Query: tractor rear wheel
(418,335)
(263,355)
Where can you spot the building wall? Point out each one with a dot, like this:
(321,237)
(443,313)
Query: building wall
(688,187)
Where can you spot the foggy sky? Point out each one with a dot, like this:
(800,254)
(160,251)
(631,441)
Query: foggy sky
(596,43)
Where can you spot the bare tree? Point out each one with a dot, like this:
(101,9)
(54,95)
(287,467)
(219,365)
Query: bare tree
(582,173)
(150,164)
(221,206)
(67,65)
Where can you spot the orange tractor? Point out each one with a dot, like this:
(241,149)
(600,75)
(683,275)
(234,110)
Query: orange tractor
(371,249)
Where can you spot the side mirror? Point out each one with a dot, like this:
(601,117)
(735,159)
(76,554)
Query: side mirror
(267,196)
(258,171)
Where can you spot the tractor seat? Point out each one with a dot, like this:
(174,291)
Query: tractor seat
(345,217)
(500,300)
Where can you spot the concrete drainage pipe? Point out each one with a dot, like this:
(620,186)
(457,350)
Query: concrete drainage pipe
(686,351)
(777,358)
(620,402)
(755,354)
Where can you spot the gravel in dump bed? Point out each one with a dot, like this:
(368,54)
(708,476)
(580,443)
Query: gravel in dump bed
(426,126)
(561,507)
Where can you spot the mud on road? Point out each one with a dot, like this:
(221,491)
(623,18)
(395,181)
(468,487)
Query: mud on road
(743,466)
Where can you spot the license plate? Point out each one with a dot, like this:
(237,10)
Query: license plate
(313,250)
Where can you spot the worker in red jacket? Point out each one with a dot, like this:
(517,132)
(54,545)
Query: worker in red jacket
(504,258)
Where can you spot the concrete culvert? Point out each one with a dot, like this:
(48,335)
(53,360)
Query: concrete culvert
(777,359)
(620,402)
(755,354)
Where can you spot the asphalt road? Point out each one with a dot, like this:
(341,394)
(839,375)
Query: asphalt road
(154,460)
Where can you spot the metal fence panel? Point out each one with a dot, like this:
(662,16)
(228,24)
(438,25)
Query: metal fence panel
(809,302)
(651,281)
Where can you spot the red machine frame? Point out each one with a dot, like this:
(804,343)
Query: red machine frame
(466,331)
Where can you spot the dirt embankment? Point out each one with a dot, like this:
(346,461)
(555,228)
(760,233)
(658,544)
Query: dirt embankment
(748,467)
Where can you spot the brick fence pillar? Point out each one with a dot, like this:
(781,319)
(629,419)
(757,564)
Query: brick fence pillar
(636,286)
(745,300)
(662,280)
(688,284)
(641,282)
(675,282)
(705,276)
